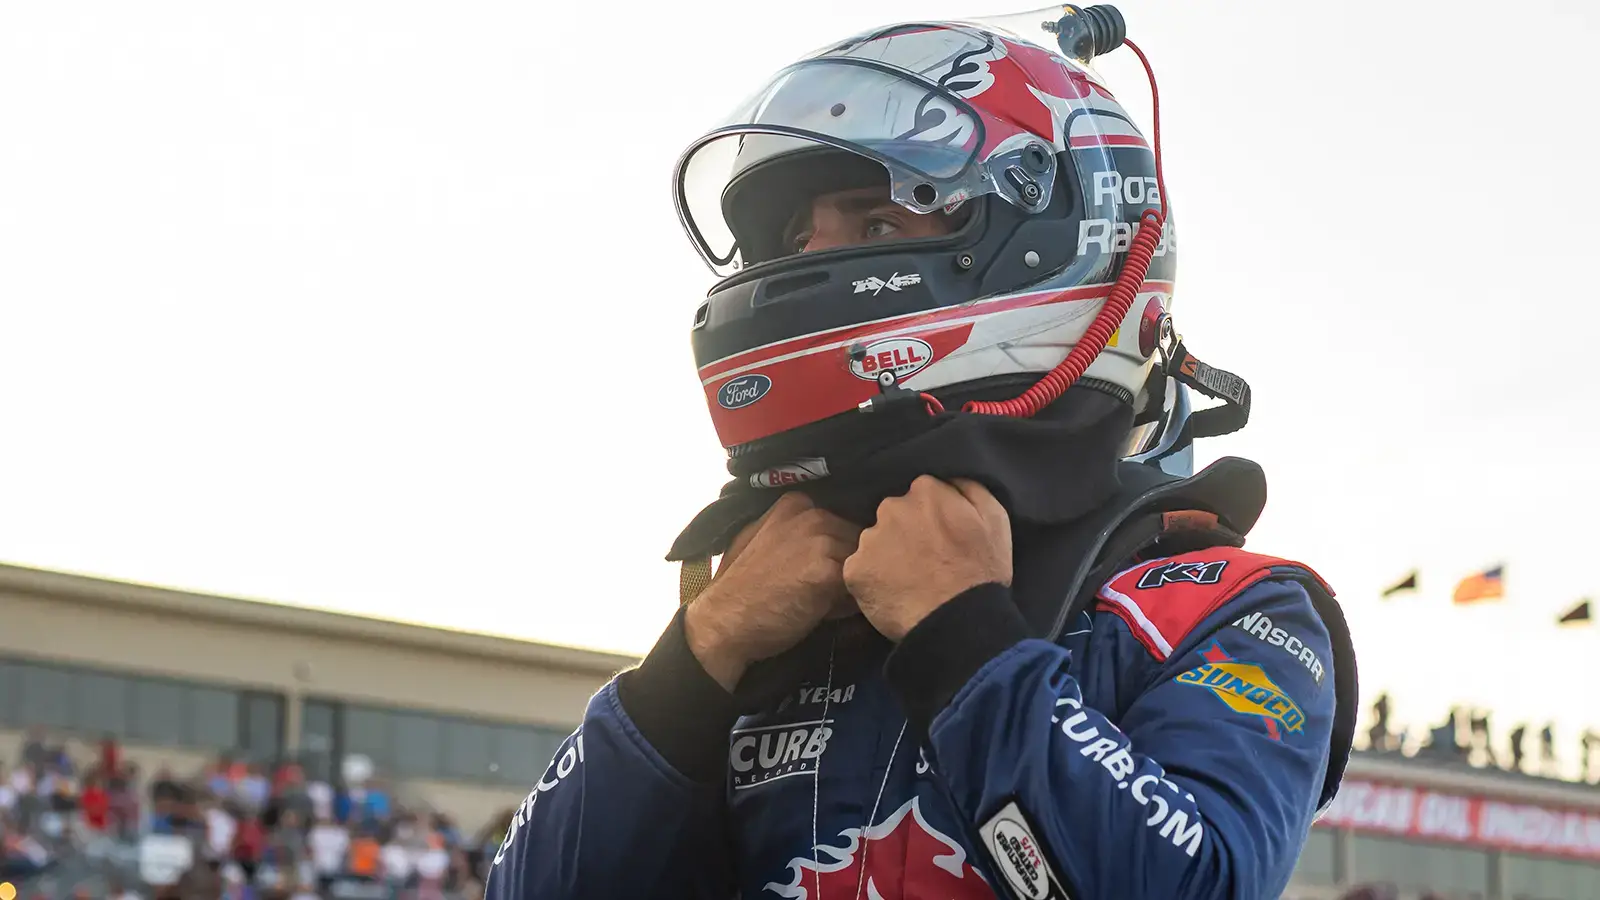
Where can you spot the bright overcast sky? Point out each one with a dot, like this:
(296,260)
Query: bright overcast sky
(382,307)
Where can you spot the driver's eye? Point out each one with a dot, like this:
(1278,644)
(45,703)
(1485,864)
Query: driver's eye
(872,229)
(877,228)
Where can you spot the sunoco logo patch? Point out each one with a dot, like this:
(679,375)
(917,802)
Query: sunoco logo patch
(1245,688)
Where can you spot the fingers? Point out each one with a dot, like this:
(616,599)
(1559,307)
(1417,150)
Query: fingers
(786,527)
(740,541)
(841,530)
(933,488)
(835,538)
(787,506)
(926,492)
(796,512)
(987,505)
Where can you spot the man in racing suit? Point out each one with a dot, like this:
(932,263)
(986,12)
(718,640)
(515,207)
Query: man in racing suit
(982,656)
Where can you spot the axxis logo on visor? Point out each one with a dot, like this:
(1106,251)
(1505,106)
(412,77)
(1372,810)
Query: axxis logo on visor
(743,391)
(895,283)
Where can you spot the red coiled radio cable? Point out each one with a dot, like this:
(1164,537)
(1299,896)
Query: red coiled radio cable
(1140,251)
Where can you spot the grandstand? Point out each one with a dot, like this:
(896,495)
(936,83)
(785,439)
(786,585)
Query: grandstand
(463,721)
(133,718)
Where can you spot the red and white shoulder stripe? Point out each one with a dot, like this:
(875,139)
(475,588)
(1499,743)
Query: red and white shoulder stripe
(1162,600)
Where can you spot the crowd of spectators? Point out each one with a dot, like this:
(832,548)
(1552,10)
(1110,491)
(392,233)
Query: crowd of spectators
(92,826)
(1466,736)
(96,827)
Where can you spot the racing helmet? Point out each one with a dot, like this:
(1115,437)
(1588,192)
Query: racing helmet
(1055,266)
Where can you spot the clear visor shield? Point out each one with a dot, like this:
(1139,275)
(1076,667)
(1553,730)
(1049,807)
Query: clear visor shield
(935,147)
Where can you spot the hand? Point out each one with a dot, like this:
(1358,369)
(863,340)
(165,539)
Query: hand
(927,547)
(783,574)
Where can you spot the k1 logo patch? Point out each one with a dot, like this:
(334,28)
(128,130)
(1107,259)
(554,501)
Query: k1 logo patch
(1183,573)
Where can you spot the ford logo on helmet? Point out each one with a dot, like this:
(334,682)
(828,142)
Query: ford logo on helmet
(743,391)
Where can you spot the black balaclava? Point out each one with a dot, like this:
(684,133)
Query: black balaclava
(1047,470)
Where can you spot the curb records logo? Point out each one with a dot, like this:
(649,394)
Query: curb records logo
(767,753)
(903,356)
(743,391)
(1246,689)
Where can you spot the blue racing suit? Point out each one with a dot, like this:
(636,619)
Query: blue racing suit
(1175,742)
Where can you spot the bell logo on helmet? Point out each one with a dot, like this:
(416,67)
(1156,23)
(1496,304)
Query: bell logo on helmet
(743,391)
(902,356)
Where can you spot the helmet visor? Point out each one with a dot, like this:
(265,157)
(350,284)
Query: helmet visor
(923,137)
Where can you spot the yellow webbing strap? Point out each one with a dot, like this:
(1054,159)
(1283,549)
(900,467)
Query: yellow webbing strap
(693,577)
